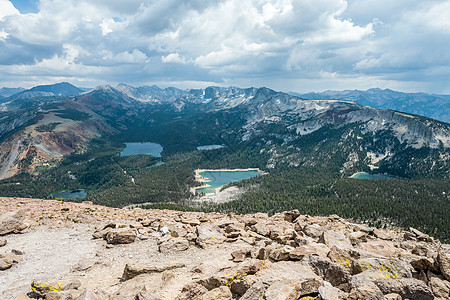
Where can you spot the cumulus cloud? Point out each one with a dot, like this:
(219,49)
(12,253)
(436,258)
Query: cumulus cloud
(277,43)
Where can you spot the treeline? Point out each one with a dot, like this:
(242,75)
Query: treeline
(420,203)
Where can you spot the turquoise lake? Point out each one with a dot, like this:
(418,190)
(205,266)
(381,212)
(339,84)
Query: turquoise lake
(210,147)
(217,179)
(364,175)
(142,148)
(70,195)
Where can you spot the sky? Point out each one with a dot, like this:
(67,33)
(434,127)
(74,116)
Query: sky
(286,45)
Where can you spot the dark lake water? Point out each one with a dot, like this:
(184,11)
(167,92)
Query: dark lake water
(217,179)
(142,148)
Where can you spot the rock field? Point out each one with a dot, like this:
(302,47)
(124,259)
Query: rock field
(60,250)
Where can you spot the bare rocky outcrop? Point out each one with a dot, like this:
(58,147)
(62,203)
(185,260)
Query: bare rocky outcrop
(162,254)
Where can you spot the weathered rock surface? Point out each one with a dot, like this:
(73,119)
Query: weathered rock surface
(132,271)
(12,222)
(154,254)
(121,236)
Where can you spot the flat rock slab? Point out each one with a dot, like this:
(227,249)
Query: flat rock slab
(46,251)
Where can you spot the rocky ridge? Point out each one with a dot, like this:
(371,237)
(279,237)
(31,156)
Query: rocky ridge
(57,250)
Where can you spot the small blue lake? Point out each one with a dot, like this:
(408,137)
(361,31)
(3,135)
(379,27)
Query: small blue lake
(364,175)
(70,195)
(210,147)
(217,179)
(142,148)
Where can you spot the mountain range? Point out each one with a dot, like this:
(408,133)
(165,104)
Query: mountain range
(47,122)
(429,105)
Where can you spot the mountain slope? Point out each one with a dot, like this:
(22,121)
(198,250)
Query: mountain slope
(41,136)
(339,135)
(432,106)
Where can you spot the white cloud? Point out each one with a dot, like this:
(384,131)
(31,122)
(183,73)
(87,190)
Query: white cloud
(7,9)
(231,41)
(173,58)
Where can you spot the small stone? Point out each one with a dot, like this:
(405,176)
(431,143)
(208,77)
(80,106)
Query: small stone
(3,242)
(220,293)
(284,290)
(173,245)
(335,238)
(238,255)
(83,265)
(88,295)
(166,276)
(6,263)
(121,236)
(17,252)
(191,291)
(328,292)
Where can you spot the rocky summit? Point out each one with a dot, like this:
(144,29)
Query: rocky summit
(59,250)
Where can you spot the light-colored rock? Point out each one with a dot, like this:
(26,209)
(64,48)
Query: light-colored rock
(357,237)
(380,247)
(173,245)
(334,238)
(409,288)
(284,290)
(444,260)
(392,296)
(12,222)
(330,271)
(382,234)
(310,286)
(286,270)
(239,255)
(220,293)
(121,236)
(131,271)
(43,287)
(439,286)
(192,291)
(59,296)
(3,242)
(88,295)
(279,252)
(255,292)
(83,265)
(6,263)
(390,268)
(208,233)
(311,249)
(313,230)
(420,235)
(328,292)
(363,287)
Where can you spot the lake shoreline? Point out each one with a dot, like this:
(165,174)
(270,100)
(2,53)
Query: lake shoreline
(203,180)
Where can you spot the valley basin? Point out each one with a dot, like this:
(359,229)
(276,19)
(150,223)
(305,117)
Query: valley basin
(148,148)
(214,179)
